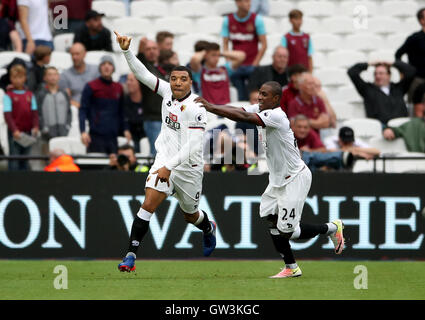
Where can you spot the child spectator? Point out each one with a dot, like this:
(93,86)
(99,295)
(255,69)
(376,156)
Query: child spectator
(20,113)
(40,60)
(213,80)
(298,43)
(54,107)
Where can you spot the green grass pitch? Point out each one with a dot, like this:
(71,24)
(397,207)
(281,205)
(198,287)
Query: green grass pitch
(210,280)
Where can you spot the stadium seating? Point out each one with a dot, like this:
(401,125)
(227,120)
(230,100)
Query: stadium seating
(388,147)
(61,60)
(148,9)
(71,145)
(7,56)
(190,9)
(313,9)
(346,111)
(398,121)
(112,9)
(209,25)
(63,42)
(224,7)
(326,42)
(364,129)
(133,26)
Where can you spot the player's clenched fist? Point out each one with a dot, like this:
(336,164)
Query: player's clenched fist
(123,41)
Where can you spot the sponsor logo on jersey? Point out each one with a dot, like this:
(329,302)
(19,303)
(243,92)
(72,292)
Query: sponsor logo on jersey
(216,77)
(241,36)
(171,121)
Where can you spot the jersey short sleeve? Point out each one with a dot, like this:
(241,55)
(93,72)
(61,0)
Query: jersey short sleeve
(260,27)
(251,108)
(197,118)
(225,28)
(274,118)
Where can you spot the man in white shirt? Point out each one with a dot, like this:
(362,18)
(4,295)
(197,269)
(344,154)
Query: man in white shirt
(289,180)
(178,166)
(33,25)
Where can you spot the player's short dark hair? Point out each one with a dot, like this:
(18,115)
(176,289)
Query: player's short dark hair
(162,35)
(213,46)
(295,13)
(201,45)
(420,14)
(183,68)
(276,88)
(296,69)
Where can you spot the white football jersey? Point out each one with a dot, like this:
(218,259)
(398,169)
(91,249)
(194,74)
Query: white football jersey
(178,146)
(279,143)
(179,117)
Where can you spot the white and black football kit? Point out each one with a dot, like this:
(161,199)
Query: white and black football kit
(179,145)
(289,177)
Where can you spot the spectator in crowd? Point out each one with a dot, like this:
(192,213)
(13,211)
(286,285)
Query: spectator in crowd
(76,77)
(383,99)
(126,160)
(76,13)
(5,79)
(412,132)
(59,161)
(9,37)
(93,34)
(260,7)
(307,138)
(418,100)
(313,151)
(165,40)
(54,107)
(346,142)
(34,22)
(414,47)
(199,47)
(213,80)
(249,130)
(309,104)
(133,109)
(20,113)
(245,30)
(277,71)
(321,94)
(102,106)
(299,43)
(149,54)
(167,60)
(9,9)
(290,91)
(40,59)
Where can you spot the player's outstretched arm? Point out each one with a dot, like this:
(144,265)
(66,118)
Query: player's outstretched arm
(232,113)
(138,68)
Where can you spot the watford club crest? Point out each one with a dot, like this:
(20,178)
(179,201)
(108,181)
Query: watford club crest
(182,108)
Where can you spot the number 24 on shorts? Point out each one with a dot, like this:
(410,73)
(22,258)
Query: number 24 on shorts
(291,215)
